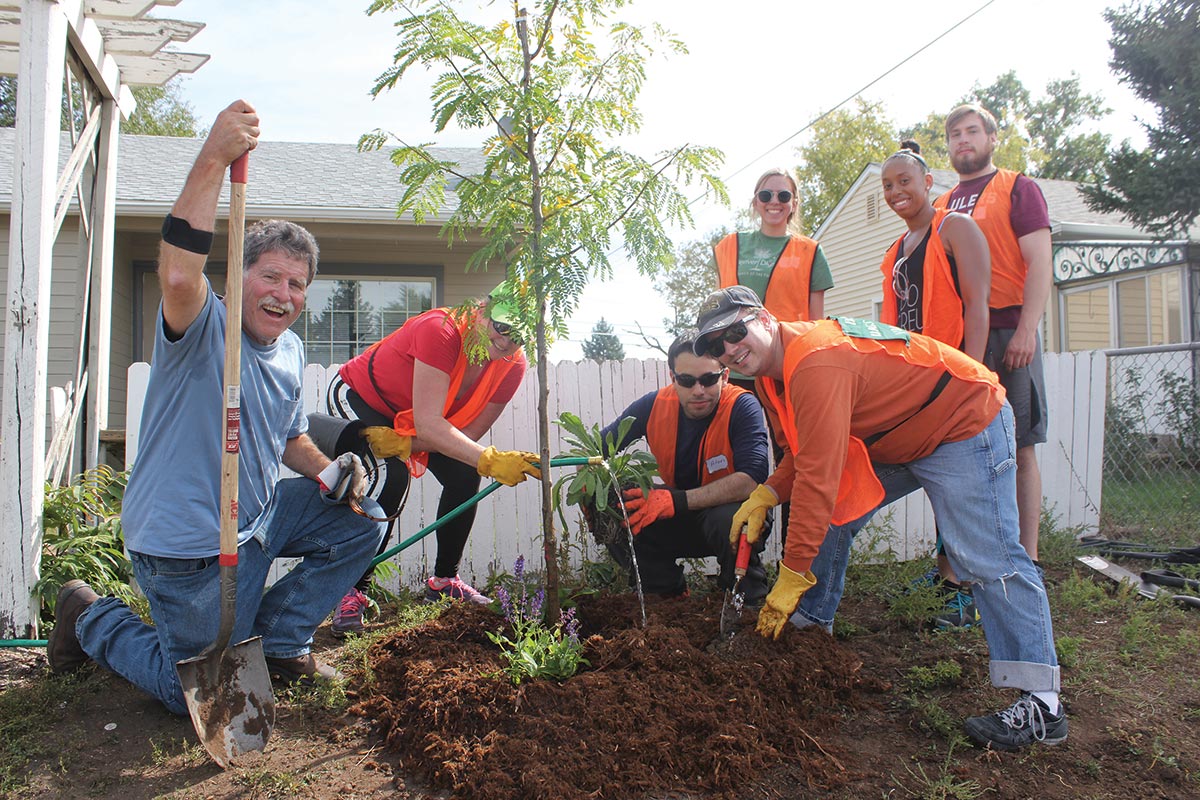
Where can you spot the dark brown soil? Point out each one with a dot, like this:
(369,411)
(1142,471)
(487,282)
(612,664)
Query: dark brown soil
(667,707)
(664,713)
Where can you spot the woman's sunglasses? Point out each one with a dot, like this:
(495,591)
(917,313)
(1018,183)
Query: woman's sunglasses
(504,329)
(706,380)
(715,347)
(765,195)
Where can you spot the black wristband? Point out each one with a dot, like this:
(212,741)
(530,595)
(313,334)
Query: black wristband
(179,233)
(679,496)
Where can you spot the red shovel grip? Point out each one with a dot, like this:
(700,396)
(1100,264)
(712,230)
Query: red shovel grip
(240,168)
(743,557)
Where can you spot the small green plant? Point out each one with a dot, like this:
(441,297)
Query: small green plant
(535,650)
(1068,650)
(934,718)
(1180,409)
(81,537)
(946,786)
(943,673)
(597,487)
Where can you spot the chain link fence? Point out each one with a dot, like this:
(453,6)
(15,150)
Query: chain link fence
(1152,442)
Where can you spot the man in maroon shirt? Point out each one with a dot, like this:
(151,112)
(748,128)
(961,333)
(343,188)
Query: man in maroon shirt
(1011,211)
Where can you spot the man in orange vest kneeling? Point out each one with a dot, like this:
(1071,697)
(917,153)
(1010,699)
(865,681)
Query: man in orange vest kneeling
(869,413)
(710,440)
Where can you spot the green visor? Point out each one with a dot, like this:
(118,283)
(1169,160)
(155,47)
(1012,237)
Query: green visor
(502,305)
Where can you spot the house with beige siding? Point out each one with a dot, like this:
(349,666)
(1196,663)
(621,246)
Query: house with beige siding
(376,270)
(1114,286)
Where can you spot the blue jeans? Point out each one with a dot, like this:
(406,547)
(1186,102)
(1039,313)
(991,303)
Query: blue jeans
(972,487)
(335,546)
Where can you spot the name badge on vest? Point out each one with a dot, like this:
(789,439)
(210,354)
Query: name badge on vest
(716,464)
(869,329)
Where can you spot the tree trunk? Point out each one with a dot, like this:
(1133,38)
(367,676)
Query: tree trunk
(549,536)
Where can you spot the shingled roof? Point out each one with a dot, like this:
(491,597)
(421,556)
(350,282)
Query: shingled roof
(293,179)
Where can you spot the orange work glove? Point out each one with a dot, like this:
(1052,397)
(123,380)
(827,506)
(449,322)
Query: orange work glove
(648,509)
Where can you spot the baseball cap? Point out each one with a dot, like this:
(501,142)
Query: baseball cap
(502,304)
(721,309)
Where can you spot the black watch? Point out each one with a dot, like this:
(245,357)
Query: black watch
(178,232)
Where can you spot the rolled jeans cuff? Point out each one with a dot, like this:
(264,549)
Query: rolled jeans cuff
(1025,675)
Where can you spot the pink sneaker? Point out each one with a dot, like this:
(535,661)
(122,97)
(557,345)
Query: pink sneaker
(455,588)
(349,615)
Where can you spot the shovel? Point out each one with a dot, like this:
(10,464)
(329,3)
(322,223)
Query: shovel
(228,689)
(735,599)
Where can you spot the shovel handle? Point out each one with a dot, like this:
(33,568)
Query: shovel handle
(233,398)
(743,556)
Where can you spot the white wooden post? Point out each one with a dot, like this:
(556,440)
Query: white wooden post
(27,312)
(104,214)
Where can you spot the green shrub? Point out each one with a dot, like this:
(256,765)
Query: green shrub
(81,537)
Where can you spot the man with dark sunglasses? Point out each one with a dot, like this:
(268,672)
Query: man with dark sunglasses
(871,413)
(710,441)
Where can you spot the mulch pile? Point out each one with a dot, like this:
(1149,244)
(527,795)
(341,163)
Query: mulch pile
(663,708)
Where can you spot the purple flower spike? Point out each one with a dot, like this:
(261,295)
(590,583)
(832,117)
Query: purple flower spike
(505,602)
(519,569)
(535,605)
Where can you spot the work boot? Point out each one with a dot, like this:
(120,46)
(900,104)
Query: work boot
(455,588)
(304,670)
(63,650)
(348,618)
(1023,723)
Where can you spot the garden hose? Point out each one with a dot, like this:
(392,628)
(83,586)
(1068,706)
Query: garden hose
(440,521)
(416,537)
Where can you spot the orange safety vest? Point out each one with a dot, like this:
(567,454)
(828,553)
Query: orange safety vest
(787,288)
(860,490)
(663,427)
(991,212)
(941,305)
(484,390)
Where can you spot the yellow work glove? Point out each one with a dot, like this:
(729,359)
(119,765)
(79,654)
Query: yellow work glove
(386,443)
(783,599)
(753,515)
(510,467)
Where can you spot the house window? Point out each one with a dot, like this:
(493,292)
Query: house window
(1137,311)
(342,316)
(343,313)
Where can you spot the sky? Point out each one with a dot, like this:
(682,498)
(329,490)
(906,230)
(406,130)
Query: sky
(756,74)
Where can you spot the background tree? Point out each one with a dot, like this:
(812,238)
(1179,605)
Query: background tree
(1042,137)
(603,345)
(687,280)
(556,86)
(1155,52)
(161,110)
(842,144)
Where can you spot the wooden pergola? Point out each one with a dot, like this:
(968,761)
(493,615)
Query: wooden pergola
(84,54)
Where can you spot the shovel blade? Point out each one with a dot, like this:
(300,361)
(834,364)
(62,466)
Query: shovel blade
(229,698)
(1121,575)
(731,612)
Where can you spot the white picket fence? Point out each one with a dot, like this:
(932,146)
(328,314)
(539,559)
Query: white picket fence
(508,522)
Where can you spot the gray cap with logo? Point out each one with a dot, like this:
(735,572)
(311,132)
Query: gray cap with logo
(721,309)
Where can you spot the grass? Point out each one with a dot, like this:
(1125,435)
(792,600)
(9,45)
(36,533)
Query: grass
(1162,504)
(23,724)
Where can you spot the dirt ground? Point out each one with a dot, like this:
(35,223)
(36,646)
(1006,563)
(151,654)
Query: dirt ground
(665,712)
